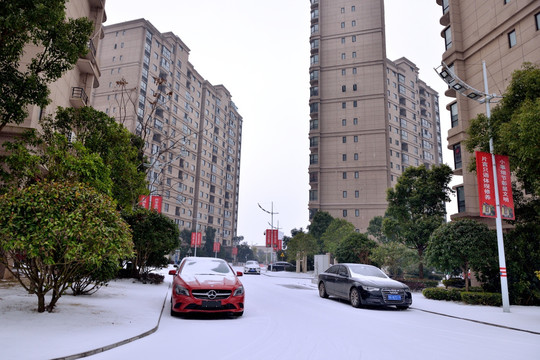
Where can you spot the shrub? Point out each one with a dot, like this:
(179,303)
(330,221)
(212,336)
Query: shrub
(455,283)
(151,278)
(442,294)
(481,298)
(419,284)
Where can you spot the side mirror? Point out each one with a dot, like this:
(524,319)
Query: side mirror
(239,273)
(172,272)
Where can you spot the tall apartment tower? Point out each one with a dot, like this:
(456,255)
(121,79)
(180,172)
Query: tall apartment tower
(504,34)
(191,128)
(76,86)
(370,118)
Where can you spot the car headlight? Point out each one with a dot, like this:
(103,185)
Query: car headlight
(180,290)
(371,288)
(239,291)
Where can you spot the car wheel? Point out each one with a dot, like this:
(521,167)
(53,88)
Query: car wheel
(354,296)
(322,290)
(402,307)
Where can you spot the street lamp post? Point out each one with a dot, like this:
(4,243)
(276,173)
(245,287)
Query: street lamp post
(450,78)
(272,213)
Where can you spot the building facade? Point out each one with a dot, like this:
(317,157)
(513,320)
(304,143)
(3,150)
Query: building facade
(504,34)
(76,86)
(191,128)
(370,118)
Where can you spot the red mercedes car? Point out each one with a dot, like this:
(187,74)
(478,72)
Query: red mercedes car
(206,285)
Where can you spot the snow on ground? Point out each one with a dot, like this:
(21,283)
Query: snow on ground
(126,309)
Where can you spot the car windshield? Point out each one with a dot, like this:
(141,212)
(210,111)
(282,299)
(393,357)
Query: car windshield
(366,270)
(252,263)
(205,267)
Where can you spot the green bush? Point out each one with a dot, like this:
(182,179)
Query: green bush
(455,283)
(481,298)
(442,294)
(419,284)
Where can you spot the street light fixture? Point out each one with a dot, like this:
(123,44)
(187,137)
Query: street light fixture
(449,77)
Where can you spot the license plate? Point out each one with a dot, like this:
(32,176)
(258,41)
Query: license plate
(211,304)
(394,297)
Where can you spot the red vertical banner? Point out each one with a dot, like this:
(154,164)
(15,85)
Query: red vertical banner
(280,245)
(217,246)
(144,201)
(235,251)
(486,185)
(196,239)
(268,234)
(155,203)
(505,187)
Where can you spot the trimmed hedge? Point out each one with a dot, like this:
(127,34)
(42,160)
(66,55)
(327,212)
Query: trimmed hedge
(474,297)
(417,284)
(477,298)
(442,294)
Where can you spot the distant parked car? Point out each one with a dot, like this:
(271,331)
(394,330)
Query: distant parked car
(252,267)
(280,266)
(206,285)
(363,285)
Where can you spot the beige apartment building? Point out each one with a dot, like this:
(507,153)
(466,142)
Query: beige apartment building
(504,34)
(76,86)
(370,118)
(191,128)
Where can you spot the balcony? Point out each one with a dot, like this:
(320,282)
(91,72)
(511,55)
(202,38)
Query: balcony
(78,97)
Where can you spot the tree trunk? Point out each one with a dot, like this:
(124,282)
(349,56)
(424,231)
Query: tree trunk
(421,264)
(41,302)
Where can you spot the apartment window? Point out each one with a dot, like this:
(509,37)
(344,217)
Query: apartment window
(460,198)
(506,2)
(344,140)
(353,38)
(354,54)
(343,56)
(313,159)
(353,8)
(445,6)
(457,156)
(344,157)
(354,70)
(353,23)
(355,156)
(354,87)
(343,72)
(313,195)
(357,194)
(343,25)
(355,138)
(344,194)
(343,122)
(343,10)
(454,114)
(343,88)
(512,40)
(344,213)
(537,21)
(357,213)
(115,46)
(344,175)
(355,121)
(355,103)
(343,105)
(447,38)
(343,40)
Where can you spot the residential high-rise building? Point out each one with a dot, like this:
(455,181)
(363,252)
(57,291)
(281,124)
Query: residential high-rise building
(370,118)
(504,34)
(76,86)
(191,128)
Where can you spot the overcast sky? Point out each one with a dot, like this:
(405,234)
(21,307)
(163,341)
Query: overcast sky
(259,50)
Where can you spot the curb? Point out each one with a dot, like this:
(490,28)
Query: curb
(120,343)
(477,321)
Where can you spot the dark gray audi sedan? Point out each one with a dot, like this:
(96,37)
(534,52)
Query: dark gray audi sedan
(363,285)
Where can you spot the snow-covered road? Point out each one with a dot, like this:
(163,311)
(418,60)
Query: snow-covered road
(286,319)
